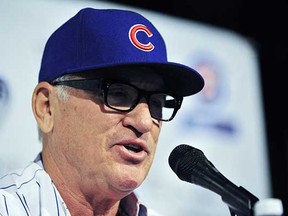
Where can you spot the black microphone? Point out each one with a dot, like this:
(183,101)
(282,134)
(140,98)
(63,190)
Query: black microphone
(191,165)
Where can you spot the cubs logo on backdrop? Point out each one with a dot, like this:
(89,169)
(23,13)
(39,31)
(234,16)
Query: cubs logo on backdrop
(210,108)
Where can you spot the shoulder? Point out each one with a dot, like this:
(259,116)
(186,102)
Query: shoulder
(19,178)
(18,187)
(30,191)
(22,189)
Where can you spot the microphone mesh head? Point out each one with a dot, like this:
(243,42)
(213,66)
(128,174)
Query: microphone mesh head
(184,160)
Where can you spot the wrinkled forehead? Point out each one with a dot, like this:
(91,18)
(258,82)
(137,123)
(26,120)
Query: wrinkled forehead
(142,77)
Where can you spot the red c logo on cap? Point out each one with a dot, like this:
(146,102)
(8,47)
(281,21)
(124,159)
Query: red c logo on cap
(133,37)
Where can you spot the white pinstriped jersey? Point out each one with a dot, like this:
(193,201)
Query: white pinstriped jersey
(31,192)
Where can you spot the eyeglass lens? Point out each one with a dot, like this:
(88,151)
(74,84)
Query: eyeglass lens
(125,97)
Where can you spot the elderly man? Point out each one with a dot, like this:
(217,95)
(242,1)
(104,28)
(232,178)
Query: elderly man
(105,87)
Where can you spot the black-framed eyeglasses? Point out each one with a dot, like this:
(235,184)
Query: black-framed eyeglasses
(124,97)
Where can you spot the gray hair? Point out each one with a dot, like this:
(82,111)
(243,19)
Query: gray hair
(63,91)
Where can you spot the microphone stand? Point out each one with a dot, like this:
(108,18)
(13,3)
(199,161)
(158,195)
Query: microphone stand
(242,206)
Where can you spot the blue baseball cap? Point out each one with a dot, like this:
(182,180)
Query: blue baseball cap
(96,39)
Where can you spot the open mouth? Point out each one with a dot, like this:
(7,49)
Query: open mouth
(134,148)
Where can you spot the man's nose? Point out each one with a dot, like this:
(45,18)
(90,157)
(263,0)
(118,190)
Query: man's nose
(140,117)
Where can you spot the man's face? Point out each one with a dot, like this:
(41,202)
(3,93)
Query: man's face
(103,149)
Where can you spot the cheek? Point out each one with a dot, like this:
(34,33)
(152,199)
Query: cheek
(82,128)
(85,117)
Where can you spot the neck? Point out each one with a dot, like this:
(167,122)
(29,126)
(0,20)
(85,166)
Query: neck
(89,208)
(79,202)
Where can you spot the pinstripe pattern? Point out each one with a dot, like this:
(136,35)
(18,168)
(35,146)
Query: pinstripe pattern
(31,192)
(6,208)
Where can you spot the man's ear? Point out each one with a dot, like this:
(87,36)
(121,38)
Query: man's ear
(41,105)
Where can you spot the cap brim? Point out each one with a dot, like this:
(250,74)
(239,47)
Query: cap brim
(180,80)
